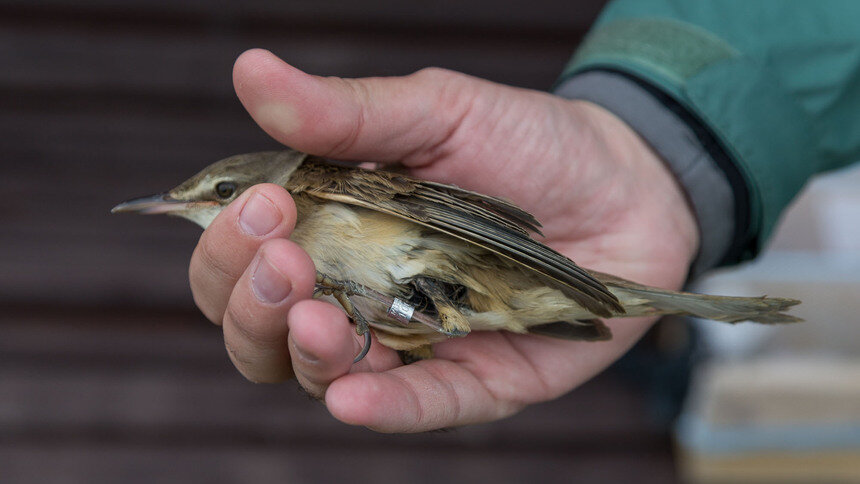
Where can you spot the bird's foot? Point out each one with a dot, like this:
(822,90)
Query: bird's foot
(454,324)
(341,291)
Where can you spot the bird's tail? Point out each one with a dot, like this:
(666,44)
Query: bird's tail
(766,310)
(641,300)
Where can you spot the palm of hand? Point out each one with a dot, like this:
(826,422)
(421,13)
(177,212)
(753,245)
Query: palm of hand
(604,198)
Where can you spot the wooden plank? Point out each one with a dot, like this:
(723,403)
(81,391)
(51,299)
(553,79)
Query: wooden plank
(60,242)
(176,63)
(111,337)
(129,463)
(91,396)
(145,401)
(79,374)
(506,14)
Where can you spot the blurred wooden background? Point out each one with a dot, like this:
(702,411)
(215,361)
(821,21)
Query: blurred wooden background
(107,372)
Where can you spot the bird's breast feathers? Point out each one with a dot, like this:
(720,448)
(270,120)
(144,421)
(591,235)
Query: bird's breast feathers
(360,245)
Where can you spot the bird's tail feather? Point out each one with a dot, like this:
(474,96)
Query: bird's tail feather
(766,310)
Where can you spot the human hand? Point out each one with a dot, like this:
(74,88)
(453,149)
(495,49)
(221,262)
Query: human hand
(604,198)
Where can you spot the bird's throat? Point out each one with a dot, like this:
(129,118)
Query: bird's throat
(202,215)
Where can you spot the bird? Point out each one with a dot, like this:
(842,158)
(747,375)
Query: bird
(417,262)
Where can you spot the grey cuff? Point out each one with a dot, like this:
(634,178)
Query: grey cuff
(708,189)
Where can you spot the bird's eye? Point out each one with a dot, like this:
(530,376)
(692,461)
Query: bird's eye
(225,189)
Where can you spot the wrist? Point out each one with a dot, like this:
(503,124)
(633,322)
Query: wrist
(707,175)
(650,185)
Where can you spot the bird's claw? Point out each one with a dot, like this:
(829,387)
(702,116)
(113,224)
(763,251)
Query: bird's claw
(364,349)
(342,290)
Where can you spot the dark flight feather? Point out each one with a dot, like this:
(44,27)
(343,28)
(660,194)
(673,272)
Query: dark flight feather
(580,330)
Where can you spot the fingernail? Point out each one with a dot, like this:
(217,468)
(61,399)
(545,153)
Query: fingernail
(269,285)
(259,216)
(278,117)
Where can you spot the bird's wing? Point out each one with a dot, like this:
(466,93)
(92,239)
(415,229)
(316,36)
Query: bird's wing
(488,222)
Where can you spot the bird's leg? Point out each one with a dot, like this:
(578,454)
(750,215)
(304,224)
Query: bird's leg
(453,321)
(341,291)
(397,308)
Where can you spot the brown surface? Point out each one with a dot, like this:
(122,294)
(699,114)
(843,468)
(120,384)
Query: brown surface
(107,373)
(99,395)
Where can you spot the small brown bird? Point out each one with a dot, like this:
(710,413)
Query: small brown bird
(419,261)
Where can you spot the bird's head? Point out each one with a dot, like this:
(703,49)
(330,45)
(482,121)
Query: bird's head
(202,197)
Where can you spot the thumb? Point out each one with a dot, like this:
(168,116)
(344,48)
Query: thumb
(380,119)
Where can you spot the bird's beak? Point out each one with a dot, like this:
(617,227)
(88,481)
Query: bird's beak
(155,204)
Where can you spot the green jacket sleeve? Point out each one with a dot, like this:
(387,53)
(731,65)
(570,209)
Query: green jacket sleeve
(777,82)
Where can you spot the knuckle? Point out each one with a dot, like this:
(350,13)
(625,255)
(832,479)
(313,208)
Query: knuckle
(247,366)
(435,74)
(250,327)
(239,361)
(208,263)
(360,92)
(207,283)
(210,309)
(313,393)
